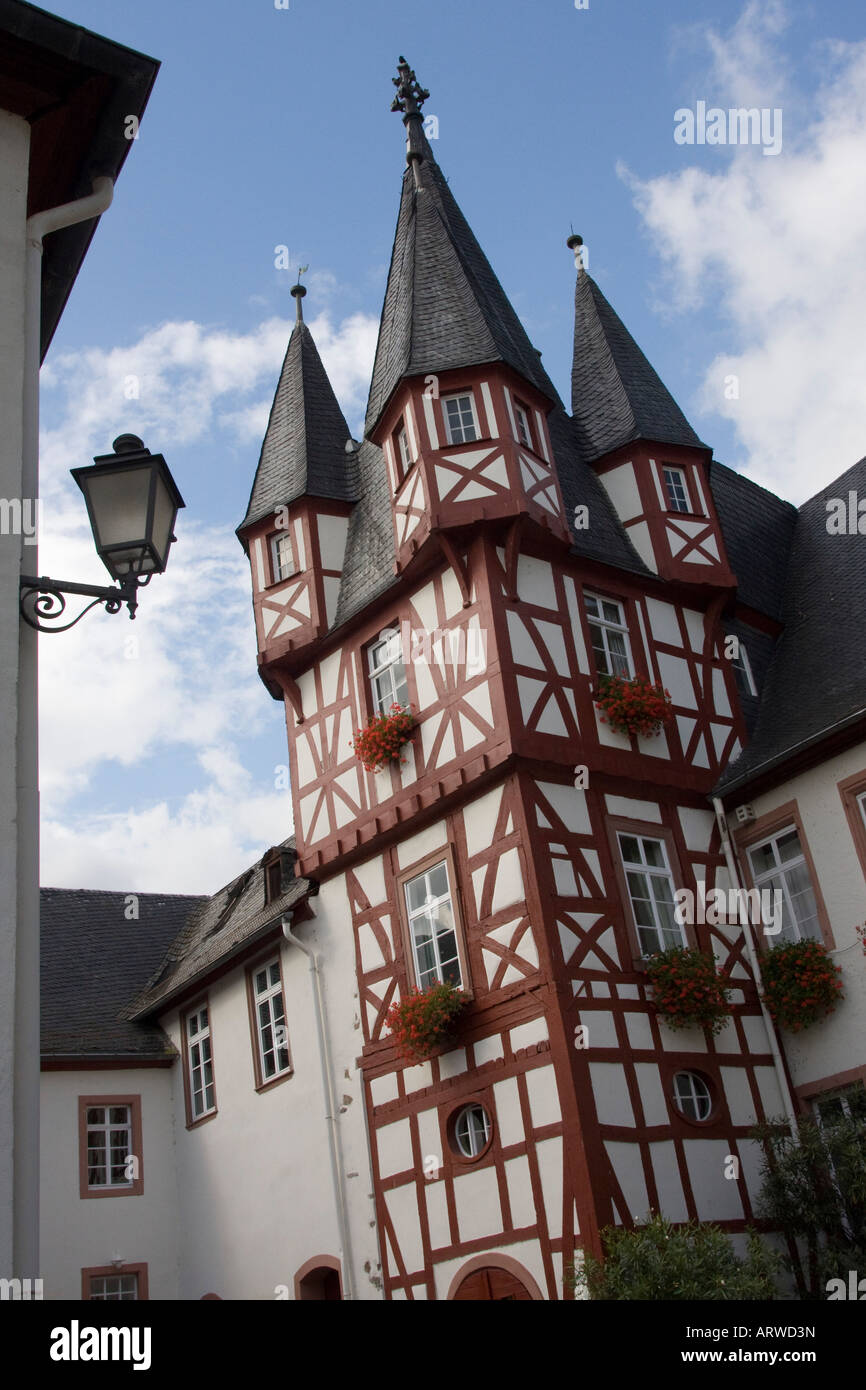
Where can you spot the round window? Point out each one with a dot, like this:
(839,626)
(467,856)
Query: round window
(692,1095)
(472,1130)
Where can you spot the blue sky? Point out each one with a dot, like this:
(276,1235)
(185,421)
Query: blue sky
(269,127)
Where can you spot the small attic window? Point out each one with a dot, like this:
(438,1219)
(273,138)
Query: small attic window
(402,452)
(461,422)
(676,489)
(282,556)
(524,431)
(273,880)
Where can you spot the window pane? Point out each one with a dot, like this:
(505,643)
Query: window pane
(261,982)
(762,859)
(788,846)
(96,1115)
(630,849)
(654,854)
(416,893)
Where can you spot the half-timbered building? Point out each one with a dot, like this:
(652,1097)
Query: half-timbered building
(485,555)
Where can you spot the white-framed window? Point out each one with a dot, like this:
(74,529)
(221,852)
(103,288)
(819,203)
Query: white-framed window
(779,863)
(271,1036)
(387,673)
(432,928)
(461,422)
(472,1130)
(861,802)
(202,1096)
(692,1096)
(109,1145)
(114,1287)
(846,1103)
(743,671)
(676,489)
(651,892)
(282,556)
(403,452)
(524,433)
(608,633)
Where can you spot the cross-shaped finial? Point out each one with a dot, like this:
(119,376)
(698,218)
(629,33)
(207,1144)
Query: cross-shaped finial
(410,94)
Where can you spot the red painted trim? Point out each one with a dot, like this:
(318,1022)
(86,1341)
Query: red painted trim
(311,1265)
(498,1261)
(108,1271)
(135,1188)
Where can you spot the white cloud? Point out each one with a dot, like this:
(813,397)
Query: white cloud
(776,247)
(172,700)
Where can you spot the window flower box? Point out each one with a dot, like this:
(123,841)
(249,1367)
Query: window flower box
(380,742)
(801,984)
(423,1021)
(687,992)
(633,706)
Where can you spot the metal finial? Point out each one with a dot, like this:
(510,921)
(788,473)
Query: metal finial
(409,99)
(410,94)
(574,243)
(297,292)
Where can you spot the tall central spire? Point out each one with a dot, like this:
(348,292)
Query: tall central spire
(444,307)
(409,99)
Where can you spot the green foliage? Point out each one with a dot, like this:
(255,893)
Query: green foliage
(662,1262)
(814,1191)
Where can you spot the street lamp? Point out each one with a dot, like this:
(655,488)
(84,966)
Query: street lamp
(132,502)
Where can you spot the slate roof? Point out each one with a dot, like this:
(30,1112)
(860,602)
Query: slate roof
(93,960)
(444,307)
(616,395)
(215,930)
(815,682)
(304,448)
(758,528)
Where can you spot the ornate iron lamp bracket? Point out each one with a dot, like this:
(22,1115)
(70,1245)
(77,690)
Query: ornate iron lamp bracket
(43,599)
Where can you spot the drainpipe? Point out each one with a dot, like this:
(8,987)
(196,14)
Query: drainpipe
(25,1219)
(728,851)
(330,1109)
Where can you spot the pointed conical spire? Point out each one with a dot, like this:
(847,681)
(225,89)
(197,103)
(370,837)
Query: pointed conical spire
(304,449)
(616,395)
(444,307)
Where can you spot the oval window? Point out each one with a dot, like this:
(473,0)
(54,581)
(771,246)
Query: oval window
(472,1130)
(692,1095)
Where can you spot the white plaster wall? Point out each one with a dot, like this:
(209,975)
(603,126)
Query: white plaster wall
(79,1233)
(255,1181)
(14,154)
(838,1044)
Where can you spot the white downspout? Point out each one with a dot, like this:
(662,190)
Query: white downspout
(348,1275)
(27,1041)
(727,849)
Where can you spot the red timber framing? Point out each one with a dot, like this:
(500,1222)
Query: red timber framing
(686,546)
(581,1136)
(530,695)
(491,477)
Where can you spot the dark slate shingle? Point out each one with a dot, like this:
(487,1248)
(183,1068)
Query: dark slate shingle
(93,959)
(758,529)
(816,680)
(616,395)
(304,448)
(444,307)
(216,928)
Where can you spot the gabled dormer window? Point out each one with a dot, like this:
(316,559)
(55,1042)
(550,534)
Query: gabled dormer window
(387,673)
(461,422)
(282,557)
(608,633)
(676,490)
(524,432)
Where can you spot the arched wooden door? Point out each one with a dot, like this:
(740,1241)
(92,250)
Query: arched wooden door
(492,1283)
